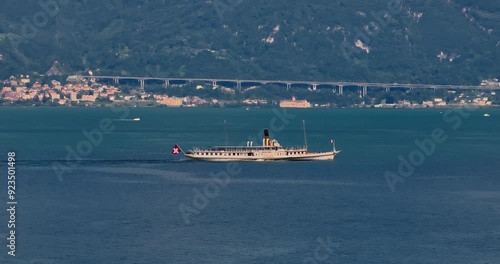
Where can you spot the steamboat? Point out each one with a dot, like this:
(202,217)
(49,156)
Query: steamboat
(270,150)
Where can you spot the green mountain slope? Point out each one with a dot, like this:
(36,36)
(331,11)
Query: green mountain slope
(399,41)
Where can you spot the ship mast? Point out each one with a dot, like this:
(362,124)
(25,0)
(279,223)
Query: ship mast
(225,131)
(305,136)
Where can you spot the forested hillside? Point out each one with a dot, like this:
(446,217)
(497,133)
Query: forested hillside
(419,41)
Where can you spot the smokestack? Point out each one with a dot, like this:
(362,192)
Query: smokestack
(266,137)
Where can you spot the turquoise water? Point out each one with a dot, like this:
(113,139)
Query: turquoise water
(118,200)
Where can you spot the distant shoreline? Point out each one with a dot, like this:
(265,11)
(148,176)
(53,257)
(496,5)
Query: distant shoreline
(250,107)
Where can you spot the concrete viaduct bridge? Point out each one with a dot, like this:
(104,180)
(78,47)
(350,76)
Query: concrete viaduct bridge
(337,86)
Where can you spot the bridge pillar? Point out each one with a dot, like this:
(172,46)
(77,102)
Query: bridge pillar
(238,86)
(167,83)
(116,80)
(365,91)
(315,86)
(214,84)
(387,89)
(288,86)
(341,89)
(141,83)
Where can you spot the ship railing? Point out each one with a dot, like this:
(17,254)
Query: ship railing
(246,149)
(295,148)
(236,150)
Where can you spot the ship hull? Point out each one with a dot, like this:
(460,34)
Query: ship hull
(269,157)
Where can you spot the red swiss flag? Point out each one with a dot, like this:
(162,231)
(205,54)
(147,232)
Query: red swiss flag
(176,150)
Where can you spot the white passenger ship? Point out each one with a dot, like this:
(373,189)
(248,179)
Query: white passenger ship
(269,151)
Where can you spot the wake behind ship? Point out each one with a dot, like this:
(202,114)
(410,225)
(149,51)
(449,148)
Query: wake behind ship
(270,150)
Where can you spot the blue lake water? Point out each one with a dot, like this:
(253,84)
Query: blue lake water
(117,200)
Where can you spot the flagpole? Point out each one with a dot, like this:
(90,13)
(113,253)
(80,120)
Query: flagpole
(305,136)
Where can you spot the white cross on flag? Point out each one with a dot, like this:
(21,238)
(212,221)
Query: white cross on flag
(176,150)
